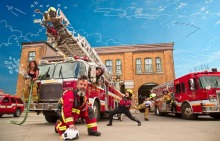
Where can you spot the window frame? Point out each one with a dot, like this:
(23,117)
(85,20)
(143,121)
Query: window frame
(109,66)
(138,65)
(33,57)
(149,65)
(118,66)
(158,64)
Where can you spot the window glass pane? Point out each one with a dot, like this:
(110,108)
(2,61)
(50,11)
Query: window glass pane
(158,64)
(148,65)
(118,67)
(13,100)
(108,64)
(138,65)
(31,56)
(69,70)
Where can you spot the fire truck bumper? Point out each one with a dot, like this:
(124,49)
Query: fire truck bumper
(42,106)
(211,109)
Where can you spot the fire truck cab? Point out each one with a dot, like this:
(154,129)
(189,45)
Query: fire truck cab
(191,95)
(56,77)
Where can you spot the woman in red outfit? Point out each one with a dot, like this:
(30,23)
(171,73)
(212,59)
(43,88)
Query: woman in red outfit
(124,107)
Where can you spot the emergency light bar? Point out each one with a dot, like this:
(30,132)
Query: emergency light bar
(82,58)
(69,59)
(43,62)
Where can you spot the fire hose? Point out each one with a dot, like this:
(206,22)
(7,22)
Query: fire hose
(27,109)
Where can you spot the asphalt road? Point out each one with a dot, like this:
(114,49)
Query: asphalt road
(168,128)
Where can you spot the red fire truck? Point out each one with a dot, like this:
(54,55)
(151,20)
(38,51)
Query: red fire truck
(193,94)
(58,75)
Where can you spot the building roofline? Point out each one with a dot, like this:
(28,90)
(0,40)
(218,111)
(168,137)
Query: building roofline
(38,42)
(135,48)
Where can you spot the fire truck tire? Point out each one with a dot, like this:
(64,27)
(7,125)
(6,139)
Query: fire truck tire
(51,118)
(187,112)
(17,113)
(1,115)
(215,116)
(96,110)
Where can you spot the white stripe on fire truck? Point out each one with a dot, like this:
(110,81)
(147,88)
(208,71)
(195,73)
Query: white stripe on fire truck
(198,103)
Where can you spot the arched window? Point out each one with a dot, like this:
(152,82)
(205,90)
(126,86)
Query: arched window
(148,65)
(118,66)
(138,65)
(158,64)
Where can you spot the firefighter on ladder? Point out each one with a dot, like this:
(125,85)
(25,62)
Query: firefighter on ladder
(75,106)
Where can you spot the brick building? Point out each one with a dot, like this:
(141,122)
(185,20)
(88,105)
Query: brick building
(139,67)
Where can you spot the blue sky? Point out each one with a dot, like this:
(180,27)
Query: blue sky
(192,25)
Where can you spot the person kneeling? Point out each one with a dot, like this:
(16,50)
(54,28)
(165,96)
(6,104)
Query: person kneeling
(74,106)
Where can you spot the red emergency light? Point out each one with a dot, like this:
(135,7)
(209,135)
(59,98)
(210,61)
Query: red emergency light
(82,58)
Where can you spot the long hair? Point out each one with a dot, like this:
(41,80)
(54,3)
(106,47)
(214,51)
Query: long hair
(35,66)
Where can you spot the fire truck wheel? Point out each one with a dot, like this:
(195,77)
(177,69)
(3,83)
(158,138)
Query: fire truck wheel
(1,116)
(51,118)
(96,110)
(187,112)
(17,113)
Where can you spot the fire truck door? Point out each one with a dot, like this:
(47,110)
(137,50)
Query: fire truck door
(5,106)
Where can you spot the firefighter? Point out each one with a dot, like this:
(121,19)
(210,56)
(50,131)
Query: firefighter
(152,95)
(32,75)
(145,105)
(75,105)
(166,98)
(124,106)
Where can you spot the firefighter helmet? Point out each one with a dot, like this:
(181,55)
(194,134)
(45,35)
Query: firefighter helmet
(70,134)
(52,9)
(130,91)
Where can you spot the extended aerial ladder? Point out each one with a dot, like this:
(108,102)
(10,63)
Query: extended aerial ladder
(65,42)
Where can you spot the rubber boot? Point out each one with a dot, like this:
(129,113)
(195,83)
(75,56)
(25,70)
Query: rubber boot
(138,121)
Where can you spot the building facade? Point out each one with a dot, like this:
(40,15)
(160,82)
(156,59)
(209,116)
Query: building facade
(140,67)
(137,67)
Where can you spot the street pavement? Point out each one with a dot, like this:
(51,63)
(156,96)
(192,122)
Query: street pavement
(159,128)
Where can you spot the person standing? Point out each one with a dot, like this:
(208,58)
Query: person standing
(32,72)
(74,106)
(124,106)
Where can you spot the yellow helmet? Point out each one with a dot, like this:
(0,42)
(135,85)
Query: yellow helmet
(130,91)
(52,9)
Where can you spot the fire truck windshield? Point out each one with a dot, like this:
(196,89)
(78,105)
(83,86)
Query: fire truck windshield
(69,70)
(46,71)
(211,81)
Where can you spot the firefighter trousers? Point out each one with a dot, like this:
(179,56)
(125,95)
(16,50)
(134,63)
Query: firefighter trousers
(120,110)
(27,86)
(143,106)
(89,117)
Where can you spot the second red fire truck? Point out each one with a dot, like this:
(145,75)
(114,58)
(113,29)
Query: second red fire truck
(192,95)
